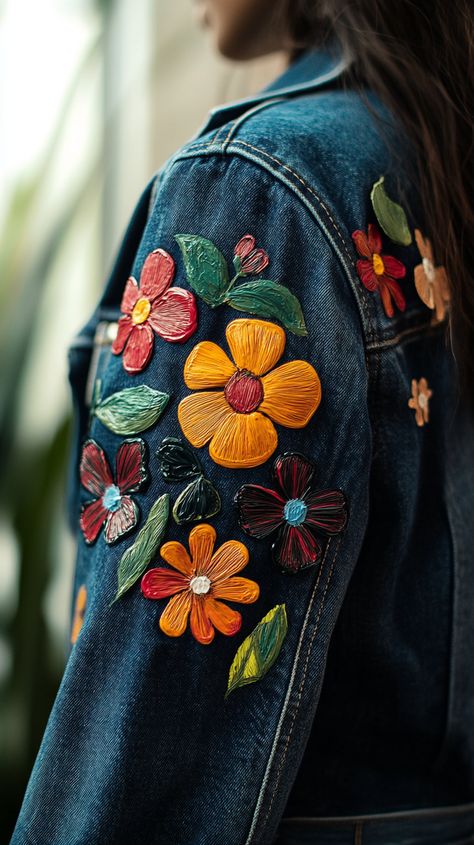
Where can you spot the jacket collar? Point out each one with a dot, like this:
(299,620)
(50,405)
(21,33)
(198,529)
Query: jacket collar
(312,69)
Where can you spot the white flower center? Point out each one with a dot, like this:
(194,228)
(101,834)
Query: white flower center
(200,584)
(422,400)
(429,269)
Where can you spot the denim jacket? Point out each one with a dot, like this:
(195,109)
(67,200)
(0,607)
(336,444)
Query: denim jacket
(271,488)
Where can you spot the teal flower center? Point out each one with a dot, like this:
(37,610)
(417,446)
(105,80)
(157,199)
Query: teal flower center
(295,511)
(111,498)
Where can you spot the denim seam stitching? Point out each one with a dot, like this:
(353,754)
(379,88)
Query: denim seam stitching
(407,334)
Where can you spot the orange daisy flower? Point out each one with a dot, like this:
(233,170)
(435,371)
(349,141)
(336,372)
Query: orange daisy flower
(201,579)
(431,282)
(238,419)
(79,612)
(419,400)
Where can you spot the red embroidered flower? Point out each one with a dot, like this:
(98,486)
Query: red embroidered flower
(111,504)
(297,510)
(248,259)
(153,307)
(377,271)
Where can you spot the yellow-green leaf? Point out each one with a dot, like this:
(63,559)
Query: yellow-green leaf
(259,650)
(390,215)
(136,558)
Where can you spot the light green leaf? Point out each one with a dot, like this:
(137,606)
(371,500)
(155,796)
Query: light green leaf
(390,215)
(132,410)
(259,650)
(269,299)
(206,268)
(136,558)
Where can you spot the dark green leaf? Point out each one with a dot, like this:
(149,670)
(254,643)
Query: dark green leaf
(199,500)
(390,215)
(259,650)
(271,300)
(136,558)
(132,410)
(206,268)
(177,461)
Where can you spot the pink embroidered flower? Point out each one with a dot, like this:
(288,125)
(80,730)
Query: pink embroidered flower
(153,307)
(377,271)
(111,504)
(248,259)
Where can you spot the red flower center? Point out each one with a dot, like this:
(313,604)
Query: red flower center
(244,392)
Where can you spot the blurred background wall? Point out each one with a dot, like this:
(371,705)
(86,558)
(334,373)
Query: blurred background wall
(94,96)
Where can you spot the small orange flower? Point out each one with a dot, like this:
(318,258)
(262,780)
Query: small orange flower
(238,419)
(419,400)
(201,579)
(431,282)
(79,611)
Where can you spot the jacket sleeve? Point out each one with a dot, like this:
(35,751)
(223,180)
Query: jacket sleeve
(222,500)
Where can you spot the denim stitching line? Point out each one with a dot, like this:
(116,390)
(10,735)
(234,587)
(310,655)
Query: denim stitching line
(358,833)
(287,699)
(249,113)
(410,334)
(300,691)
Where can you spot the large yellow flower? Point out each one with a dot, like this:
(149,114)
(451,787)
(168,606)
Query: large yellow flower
(238,418)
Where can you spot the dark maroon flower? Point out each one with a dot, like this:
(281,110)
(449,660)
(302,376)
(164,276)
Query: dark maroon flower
(111,504)
(247,258)
(296,510)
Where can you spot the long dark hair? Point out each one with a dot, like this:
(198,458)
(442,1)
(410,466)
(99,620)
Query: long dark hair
(418,57)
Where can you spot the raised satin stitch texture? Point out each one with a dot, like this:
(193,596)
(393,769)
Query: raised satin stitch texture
(297,510)
(431,282)
(138,556)
(420,399)
(199,499)
(377,271)
(79,612)
(198,583)
(208,275)
(111,503)
(153,307)
(129,411)
(390,215)
(258,652)
(254,393)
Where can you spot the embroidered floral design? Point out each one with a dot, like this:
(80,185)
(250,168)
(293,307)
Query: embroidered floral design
(297,510)
(258,652)
(378,271)
(431,282)
(111,504)
(197,582)
(199,499)
(248,258)
(129,411)
(153,306)
(238,419)
(79,613)
(208,275)
(390,216)
(419,400)
(136,558)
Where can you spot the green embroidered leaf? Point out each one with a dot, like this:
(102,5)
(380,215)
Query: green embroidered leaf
(259,650)
(132,410)
(269,299)
(199,500)
(206,268)
(390,215)
(136,558)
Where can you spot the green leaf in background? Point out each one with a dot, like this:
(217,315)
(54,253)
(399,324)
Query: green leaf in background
(136,558)
(269,299)
(390,215)
(199,500)
(132,410)
(206,268)
(259,650)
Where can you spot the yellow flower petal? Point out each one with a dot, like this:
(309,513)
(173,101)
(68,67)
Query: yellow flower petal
(201,414)
(230,558)
(291,394)
(174,618)
(176,555)
(207,365)
(243,440)
(201,545)
(255,344)
(79,611)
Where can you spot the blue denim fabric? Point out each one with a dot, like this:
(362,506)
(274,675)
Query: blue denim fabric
(369,707)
